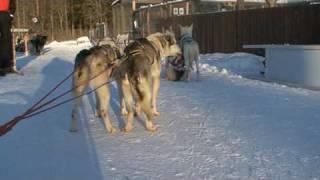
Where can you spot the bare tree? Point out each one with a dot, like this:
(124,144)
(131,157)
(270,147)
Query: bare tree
(240,5)
(63,19)
(18,13)
(271,3)
(37,8)
(52,20)
(66,20)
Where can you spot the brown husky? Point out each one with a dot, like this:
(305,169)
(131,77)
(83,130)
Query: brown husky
(94,66)
(138,76)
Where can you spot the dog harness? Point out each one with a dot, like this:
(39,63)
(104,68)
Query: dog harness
(177,63)
(185,39)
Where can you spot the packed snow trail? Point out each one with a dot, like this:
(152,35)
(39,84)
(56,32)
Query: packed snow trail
(222,127)
(41,147)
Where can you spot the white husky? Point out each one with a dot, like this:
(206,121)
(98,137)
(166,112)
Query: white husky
(190,49)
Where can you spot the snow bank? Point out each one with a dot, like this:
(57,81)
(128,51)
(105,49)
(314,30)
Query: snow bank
(54,43)
(235,64)
(81,41)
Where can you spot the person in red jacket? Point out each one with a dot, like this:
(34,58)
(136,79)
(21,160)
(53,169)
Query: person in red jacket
(7,10)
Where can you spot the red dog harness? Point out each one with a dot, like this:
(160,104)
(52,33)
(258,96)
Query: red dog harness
(4,5)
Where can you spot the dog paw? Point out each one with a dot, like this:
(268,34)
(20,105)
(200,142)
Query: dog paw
(127,129)
(152,128)
(111,130)
(156,113)
(124,113)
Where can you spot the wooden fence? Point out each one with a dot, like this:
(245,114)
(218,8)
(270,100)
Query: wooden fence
(228,31)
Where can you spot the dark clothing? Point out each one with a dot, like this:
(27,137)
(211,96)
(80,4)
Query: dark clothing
(38,42)
(38,39)
(6,46)
(35,29)
(7,8)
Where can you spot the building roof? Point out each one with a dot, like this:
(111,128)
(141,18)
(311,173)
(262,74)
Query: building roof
(138,1)
(279,1)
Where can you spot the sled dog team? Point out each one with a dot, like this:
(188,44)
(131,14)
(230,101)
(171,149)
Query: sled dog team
(137,73)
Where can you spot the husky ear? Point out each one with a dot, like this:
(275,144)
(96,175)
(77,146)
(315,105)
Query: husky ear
(169,36)
(170,33)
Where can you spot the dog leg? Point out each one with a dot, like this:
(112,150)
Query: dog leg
(107,123)
(137,109)
(187,64)
(75,114)
(145,106)
(197,66)
(198,74)
(80,75)
(103,98)
(155,92)
(97,112)
(144,103)
(123,110)
(185,76)
(128,99)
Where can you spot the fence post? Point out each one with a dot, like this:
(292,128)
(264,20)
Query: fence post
(148,21)
(25,40)
(187,8)
(14,51)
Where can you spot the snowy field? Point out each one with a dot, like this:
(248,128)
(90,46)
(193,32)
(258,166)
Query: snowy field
(225,126)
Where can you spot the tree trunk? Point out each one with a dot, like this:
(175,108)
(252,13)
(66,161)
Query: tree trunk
(67,17)
(38,8)
(52,20)
(18,15)
(24,20)
(240,5)
(271,3)
(66,28)
(72,19)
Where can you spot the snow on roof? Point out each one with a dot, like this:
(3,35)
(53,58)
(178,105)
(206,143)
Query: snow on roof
(262,1)
(115,2)
(233,1)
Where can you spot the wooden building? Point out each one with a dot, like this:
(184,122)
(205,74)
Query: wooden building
(147,19)
(122,12)
(141,17)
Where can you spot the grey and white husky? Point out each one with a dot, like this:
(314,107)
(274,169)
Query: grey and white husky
(94,66)
(138,76)
(190,50)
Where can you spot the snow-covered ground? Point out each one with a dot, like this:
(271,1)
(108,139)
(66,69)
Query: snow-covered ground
(224,126)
